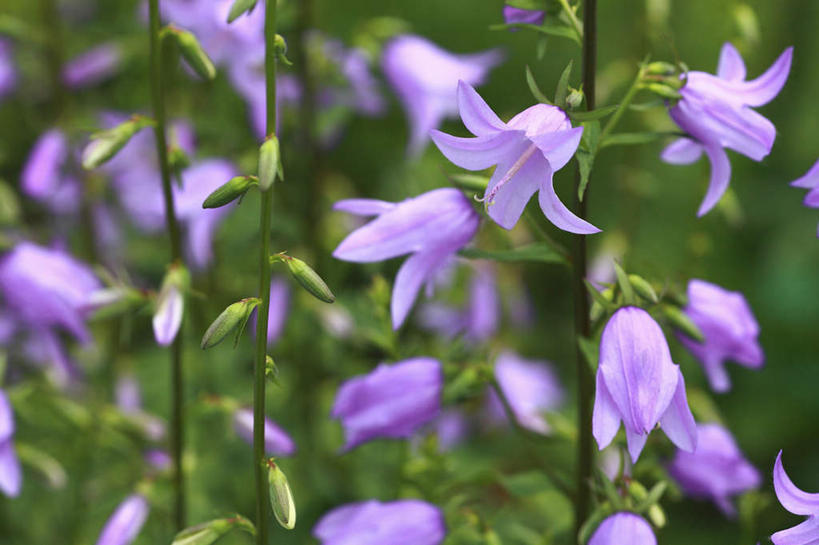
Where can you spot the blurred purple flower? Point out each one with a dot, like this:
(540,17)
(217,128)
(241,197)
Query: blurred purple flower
(799,503)
(527,151)
(392,401)
(128,395)
(810,181)
(276,441)
(715,110)
(717,470)
(8,72)
(478,321)
(425,78)
(623,528)
(277,315)
(170,306)
(374,523)
(532,389)
(730,331)
(517,15)
(158,459)
(432,227)
(451,428)
(45,178)
(11,476)
(639,384)
(95,65)
(125,523)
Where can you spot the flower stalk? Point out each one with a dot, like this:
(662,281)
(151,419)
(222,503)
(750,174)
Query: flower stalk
(172,225)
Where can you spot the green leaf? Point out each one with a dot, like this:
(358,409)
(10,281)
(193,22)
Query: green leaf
(539,252)
(593,115)
(563,86)
(239,8)
(533,87)
(632,138)
(625,285)
(599,298)
(590,350)
(653,496)
(585,154)
(560,31)
(527,4)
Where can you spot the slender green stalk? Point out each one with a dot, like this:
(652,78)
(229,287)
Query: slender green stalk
(582,324)
(259,465)
(177,421)
(572,18)
(54,52)
(623,107)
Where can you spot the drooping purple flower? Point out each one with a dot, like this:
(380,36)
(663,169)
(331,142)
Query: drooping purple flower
(403,522)
(125,523)
(730,331)
(517,15)
(170,307)
(432,227)
(639,384)
(621,528)
(93,66)
(11,476)
(45,177)
(425,78)
(810,181)
(392,401)
(716,111)
(276,441)
(527,152)
(532,389)
(799,503)
(158,459)
(8,72)
(716,470)
(478,321)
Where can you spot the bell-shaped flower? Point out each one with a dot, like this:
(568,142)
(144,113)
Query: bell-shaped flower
(517,15)
(715,471)
(716,112)
(432,227)
(276,441)
(425,78)
(532,389)
(526,152)
(623,528)
(93,66)
(8,72)
(125,523)
(639,384)
(392,401)
(729,328)
(170,307)
(799,503)
(374,523)
(11,476)
(46,177)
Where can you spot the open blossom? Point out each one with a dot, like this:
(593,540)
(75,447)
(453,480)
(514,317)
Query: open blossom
(717,470)
(276,441)
(46,177)
(374,523)
(623,528)
(11,476)
(716,111)
(425,78)
(532,389)
(478,320)
(729,328)
(639,384)
(518,15)
(799,503)
(125,523)
(432,227)
(527,152)
(93,66)
(392,401)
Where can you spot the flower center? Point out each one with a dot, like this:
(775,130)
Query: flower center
(490,197)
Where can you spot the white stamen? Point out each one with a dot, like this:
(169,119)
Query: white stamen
(510,173)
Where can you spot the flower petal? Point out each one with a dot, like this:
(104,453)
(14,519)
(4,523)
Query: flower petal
(479,152)
(682,151)
(168,317)
(558,146)
(510,200)
(810,179)
(11,475)
(764,88)
(364,207)
(606,417)
(636,441)
(557,212)
(623,528)
(720,176)
(411,276)
(731,66)
(792,498)
(678,422)
(476,114)
(806,533)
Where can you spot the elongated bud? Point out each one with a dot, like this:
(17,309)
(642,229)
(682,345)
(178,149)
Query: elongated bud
(170,304)
(280,49)
(624,284)
(281,497)
(643,288)
(105,144)
(239,8)
(193,53)
(233,189)
(663,90)
(681,321)
(209,532)
(270,163)
(271,370)
(575,98)
(231,317)
(660,68)
(307,277)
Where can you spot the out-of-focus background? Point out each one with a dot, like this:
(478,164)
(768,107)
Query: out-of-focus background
(760,241)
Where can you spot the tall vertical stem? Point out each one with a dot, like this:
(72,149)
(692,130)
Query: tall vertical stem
(264,287)
(157,99)
(54,52)
(582,325)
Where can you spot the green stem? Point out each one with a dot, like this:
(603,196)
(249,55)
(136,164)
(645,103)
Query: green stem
(259,466)
(172,224)
(54,52)
(582,324)
(623,106)
(572,18)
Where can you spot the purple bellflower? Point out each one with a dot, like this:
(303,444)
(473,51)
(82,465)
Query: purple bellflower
(810,181)
(11,476)
(799,503)
(93,66)
(125,523)
(623,528)
(717,470)
(403,522)
(517,15)
(128,397)
(425,78)
(532,389)
(279,307)
(393,401)
(450,428)
(276,441)
(639,384)
(716,112)
(478,321)
(730,331)
(167,319)
(527,151)
(8,72)
(432,227)
(45,177)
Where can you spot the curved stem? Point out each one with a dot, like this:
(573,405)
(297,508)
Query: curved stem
(259,465)
(572,18)
(582,325)
(172,224)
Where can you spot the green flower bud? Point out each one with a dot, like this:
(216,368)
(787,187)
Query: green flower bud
(280,49)
(239,8)
(681,321)
(661,68)
(209,532)
(643,288)
(193,53)
(308,278)
(232,316)
(234,189)
(270,162)
(663,90)
(575,98)
(105,144)
(281,497)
